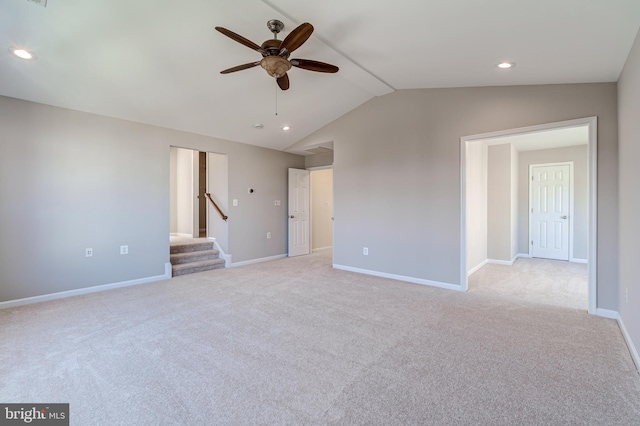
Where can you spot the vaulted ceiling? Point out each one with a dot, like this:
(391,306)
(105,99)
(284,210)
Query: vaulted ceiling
(158,62)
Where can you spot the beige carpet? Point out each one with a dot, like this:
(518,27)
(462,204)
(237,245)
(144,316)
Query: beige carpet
(295,342)
(549,282)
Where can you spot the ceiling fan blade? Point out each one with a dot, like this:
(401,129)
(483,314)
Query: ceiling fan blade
(283,82)
(239,39)
(296,38)
(307,64)
(240,67)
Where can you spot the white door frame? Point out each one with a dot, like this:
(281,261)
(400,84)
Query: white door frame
(571,201)
(592,176)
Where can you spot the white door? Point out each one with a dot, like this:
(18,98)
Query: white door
(549,213)
(298,212)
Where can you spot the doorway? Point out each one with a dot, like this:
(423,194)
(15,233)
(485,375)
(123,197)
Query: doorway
(197,181)
(470,226)
(321,209)
(310,210)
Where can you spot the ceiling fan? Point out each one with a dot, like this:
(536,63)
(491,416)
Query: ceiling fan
(275,53)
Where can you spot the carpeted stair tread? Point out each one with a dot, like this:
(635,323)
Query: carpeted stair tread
(187,248)
(189,268)
(193,256)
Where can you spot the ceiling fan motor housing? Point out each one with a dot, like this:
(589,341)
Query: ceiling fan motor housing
(276,66)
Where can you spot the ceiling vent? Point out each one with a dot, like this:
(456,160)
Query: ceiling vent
(42,3)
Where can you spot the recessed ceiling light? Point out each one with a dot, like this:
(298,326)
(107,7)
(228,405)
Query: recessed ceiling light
(285,128)
(258,126)
(22,53)
(506,65)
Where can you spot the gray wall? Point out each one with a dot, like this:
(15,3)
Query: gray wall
(71,180)
(577,154)
(629,122)
(397,172)
(318,160)
(499,202)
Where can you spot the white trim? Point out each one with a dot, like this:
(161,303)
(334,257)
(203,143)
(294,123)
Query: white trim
(607,313)
(260,260)
(464,276)
(502,262)
(577,260)
(477,267)
(222,254)
(571,203)
(523,255)
(400,277)
(592,150)
(311,169)
(627,338)
(87,290)
(322,248)
(592,202)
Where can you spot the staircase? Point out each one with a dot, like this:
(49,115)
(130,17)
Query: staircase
(197,256)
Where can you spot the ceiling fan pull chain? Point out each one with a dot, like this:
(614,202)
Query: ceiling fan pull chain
(276,97)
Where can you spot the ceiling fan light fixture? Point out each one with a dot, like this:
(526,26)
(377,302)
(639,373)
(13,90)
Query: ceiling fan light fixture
(506,65)
(275,66)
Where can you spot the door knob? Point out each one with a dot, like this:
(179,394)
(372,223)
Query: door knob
(563,217)
(291,216)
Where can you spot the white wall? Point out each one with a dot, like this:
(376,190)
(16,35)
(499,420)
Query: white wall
(184,191)
(397,172)
(629,175)
(580,219)
(476,204)
(321,208)
(100,182)
(173,190)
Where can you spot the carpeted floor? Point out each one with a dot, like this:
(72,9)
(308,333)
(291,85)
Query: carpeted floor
(294,341)
(549,282)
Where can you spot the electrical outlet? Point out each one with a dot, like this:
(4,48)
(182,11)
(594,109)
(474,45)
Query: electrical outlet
(124,249)
(365,251)
(277,203)
(235,202)
(268,235)
(88,252)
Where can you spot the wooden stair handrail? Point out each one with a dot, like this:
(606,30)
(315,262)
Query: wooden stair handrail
(222,215)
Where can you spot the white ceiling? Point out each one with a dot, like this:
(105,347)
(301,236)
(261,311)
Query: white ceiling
(158,62)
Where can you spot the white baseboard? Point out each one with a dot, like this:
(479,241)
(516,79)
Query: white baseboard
(400,277)
(607,313)
(260,260)
(180,234)
(502,262)
(322,248)
(576,260)
(222,254)
(475,268)
(523,255)
(630,345)
(87,290)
